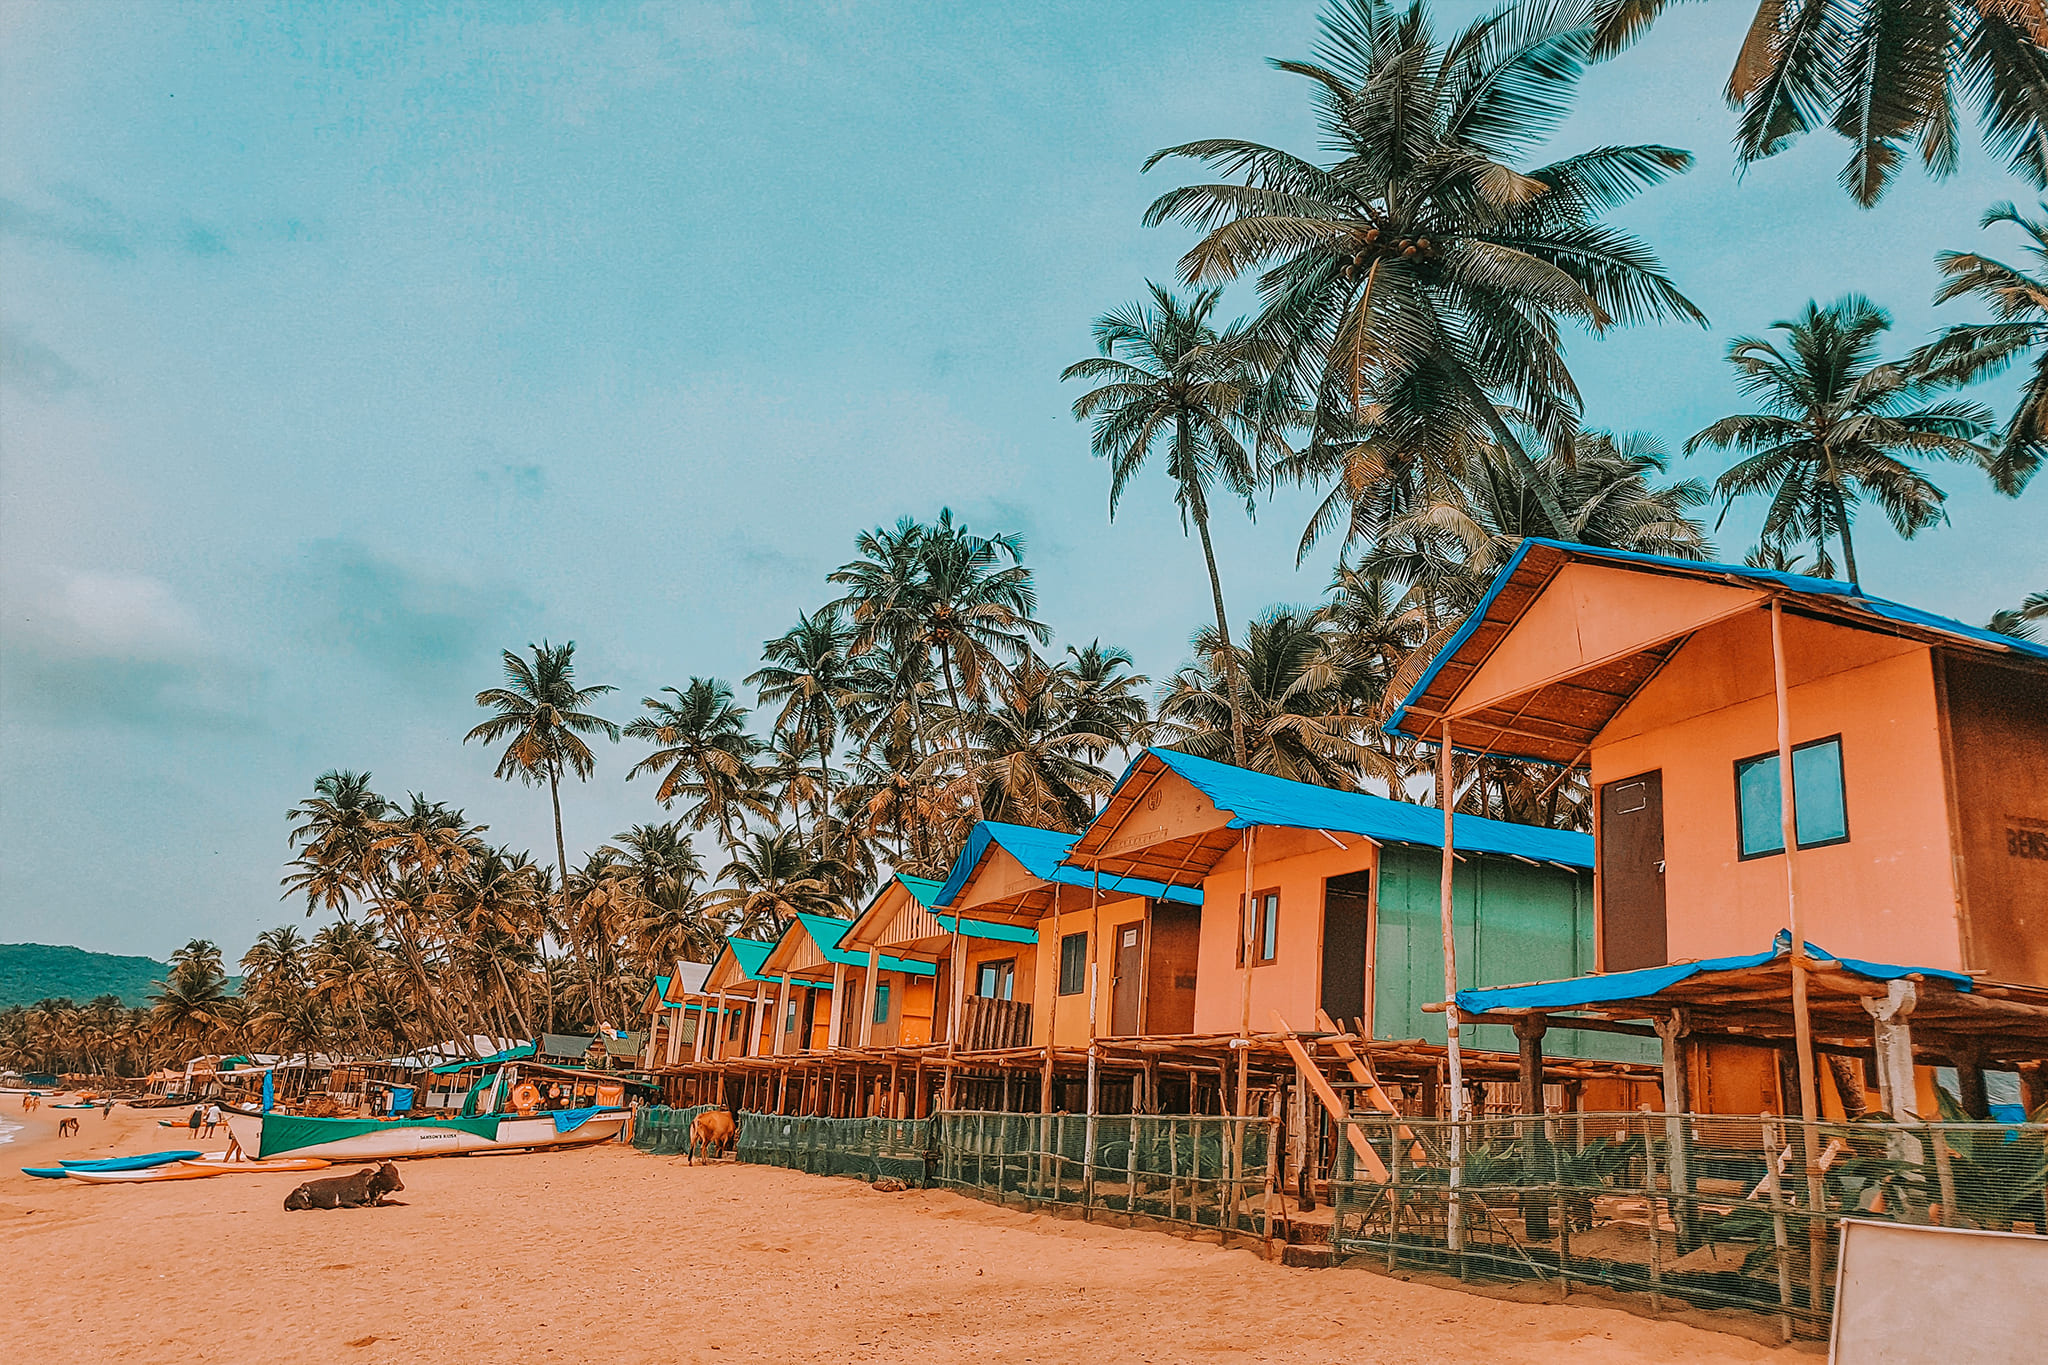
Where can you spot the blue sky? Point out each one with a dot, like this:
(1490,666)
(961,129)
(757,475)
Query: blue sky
(344,348)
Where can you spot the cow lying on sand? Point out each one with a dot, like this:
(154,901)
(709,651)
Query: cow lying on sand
(365,1189)
(712,1132)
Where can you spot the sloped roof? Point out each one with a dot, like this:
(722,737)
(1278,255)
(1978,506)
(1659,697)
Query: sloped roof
(825,931)
(1537,560)
(1260,799)
(1043,854)
(925,890)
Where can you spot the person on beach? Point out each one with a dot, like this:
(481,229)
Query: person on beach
(106,1108)
(213,1118)
(198,1117)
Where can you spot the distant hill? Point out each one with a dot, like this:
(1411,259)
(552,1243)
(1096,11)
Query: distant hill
(36,971)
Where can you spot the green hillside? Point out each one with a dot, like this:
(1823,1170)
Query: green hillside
(35,971)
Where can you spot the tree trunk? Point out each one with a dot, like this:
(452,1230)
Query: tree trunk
(1848,546)
(959,720)
(1237,746)
(590,995)
(511,1000)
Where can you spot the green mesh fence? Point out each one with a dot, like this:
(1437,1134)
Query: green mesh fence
(664,1131)
(1715,1212)
(1201,1171)
(867,1148)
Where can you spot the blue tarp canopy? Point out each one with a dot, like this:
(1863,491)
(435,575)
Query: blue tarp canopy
(981,928)
(510,1054)
(1604,988)
(1260,799)
(1043,853)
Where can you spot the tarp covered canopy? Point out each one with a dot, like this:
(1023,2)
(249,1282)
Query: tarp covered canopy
(981,928)
(510,1054)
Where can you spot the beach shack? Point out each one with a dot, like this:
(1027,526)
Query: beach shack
(1915,827)
(888,1005)
(674,1009)
(812,966)
(738,994)
(1323,902)
(1027,930)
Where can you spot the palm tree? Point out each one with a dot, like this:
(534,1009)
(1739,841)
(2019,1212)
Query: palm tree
(1168,378)
(1028,752)
(1885,74)
(336,835)
(1839,426)
(705,755)
(1419,281)
(2022,622)
(192,1001)
(541,717)
(1300,725)
(771,878)
(808,670)
(1105,696)
(1979,350)
(669,922)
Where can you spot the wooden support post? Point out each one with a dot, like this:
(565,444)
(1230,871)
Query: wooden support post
(1327,1093)
(1971,1094)
(1671,1033)
(833,1029)
(1447,798)
(1529,1031)
(873,984)
(1802,1022)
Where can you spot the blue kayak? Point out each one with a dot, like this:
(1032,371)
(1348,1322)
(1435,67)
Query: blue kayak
(128,1163)
(46,1172)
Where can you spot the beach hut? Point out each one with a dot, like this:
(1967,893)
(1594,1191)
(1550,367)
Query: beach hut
(890,1007)
(1914,747)
(673,1009)
(1029,930)
(816,1004)
(1316,900)
(739,994)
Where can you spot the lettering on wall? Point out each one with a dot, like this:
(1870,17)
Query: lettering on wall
(2026,839)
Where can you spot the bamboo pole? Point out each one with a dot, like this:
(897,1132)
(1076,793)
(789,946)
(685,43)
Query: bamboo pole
(1802,1024)
(867,1013)
(1446,796)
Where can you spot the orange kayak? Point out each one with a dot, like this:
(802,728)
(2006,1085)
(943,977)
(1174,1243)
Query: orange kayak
(221,1165)
(179,1171)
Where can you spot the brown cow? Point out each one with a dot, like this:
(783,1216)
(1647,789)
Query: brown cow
(713,1131)
(365,1189)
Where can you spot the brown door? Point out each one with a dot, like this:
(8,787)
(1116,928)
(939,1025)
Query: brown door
(1127,983)
(1632,874)
(1347,902)
(1175,946)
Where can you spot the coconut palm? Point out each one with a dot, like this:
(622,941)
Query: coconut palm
(771,878)
(2024,621)
(704,755)
(1299,724)
(808,670)
(1979,350)
(1167,379)
(1840,425)
(192,1000)
(336,835)
(1027,752)
(1420,280)
(1885,74)
(541,718)
(1104,695)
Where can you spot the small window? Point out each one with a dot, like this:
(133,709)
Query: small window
(995,980)
(881,1002)
(733,1018)
(789,1024)
(1074,964)
(1259,927)
(1820,812)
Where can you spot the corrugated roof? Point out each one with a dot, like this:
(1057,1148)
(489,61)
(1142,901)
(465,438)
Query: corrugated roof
(1827,597)
(1043,853)
(1260,799)
(825,931)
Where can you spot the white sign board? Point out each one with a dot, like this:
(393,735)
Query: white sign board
(1909,1295)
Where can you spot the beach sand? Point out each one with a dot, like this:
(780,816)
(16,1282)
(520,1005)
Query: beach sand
(609,1255)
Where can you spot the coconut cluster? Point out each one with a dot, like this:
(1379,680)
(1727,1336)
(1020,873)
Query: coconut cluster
(1377,246)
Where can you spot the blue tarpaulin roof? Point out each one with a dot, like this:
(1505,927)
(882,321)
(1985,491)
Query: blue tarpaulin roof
(826,932)
(1255,798)
(510,1054)
(1043,853)
(981,928)
(1608,987)
(1845,594)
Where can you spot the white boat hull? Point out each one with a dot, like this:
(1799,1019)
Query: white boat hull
(417,1140)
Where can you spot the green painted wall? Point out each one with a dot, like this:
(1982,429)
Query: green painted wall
(1514,922)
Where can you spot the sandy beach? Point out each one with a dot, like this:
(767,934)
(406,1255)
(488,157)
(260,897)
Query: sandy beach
(610,1255)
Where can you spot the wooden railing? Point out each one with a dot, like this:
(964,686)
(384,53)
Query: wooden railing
(986,1024)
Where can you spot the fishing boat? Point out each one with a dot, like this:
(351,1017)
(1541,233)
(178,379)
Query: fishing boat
(503,1112)
(181,1171)
(127,1163)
